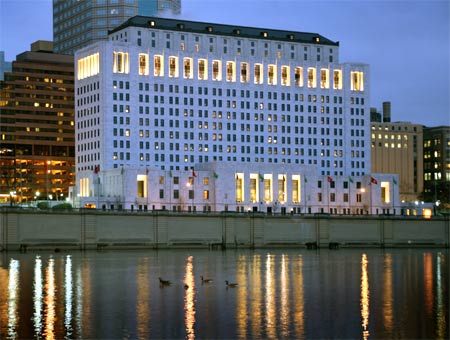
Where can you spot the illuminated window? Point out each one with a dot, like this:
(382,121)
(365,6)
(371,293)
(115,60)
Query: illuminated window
(268,188)
(244,73)
(258,74)
(121,63)
(231,71)
(272,75)
(206,194)
(385,192)
(337,79)
(202,69)
(217,70)
(295,189)
(254,188)
(188,68)
(282,188)
(143,64)
(240,187)
(173,67)
(312,81)
(88,66)
(285,76)
(299,76)
(357,81)
(158,69)
(324,79)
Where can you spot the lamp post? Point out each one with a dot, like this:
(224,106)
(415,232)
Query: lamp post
(188,185)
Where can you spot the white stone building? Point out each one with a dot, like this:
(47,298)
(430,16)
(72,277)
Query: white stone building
(239,187)
(167,95)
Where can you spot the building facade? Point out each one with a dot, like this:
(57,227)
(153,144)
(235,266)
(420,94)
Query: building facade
(397,148)
(239,187)
(37,145)
(171,95)
(79,23)
(436,163)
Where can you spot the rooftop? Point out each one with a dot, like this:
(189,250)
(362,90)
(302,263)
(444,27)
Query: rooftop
(224,30)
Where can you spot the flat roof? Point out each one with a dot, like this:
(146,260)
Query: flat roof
(224,30)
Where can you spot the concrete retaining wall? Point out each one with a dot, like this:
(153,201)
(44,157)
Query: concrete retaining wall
(94,230)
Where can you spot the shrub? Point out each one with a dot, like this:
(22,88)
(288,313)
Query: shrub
(62,206)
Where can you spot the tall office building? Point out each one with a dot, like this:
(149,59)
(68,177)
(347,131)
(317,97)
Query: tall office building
(397,148)
(5,66)
(436,147)
(171,94)
(37,145)
(79,23)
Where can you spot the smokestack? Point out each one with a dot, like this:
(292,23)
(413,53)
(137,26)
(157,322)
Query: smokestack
(386,112)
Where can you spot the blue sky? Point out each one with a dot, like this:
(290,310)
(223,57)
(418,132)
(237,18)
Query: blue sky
(405,42)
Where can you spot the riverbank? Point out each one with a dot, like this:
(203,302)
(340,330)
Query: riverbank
(92,229)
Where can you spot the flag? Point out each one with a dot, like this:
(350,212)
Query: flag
(146,171)
(96,170)
(373,180)
(306,180)
(261,178)
(395,182)
(193,172)
(216,175)
(330,179)
(284,179)
(350,180)
(170,173)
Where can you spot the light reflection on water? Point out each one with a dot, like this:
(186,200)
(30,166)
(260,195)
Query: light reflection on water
(281,294)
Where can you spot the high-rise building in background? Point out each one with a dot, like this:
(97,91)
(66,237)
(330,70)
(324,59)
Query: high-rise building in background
(5,66)
(436,163)
(397,148)
(79,23)
(37,144)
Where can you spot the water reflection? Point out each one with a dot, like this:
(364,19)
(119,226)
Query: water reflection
(270,305)
(13,297)
(388,311)
(365,310)
(143,299)
(281,295)
(38,291)
(68,287)
(189,299)
(49,300)
(241,306)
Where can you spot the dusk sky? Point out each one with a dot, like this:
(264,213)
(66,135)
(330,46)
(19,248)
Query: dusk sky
(405,42)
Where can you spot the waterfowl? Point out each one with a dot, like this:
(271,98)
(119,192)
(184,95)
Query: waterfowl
(206,280)
(231,285)
(164,282)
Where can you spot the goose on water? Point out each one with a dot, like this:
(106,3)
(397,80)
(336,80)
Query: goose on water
(205,280)
(232,285)
(164,282)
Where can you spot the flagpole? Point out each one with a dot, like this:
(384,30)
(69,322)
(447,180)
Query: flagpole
(304,193)
(349,197)
(328,194)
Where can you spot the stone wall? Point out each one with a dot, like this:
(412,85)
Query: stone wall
(99,230)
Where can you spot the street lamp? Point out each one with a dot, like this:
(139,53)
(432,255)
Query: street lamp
(188,185)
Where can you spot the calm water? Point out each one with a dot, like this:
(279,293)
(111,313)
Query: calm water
(357,293)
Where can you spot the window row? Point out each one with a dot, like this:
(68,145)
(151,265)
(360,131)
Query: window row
(244,72)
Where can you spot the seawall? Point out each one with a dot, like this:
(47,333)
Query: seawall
(90,229)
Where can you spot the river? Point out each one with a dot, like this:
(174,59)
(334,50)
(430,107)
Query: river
(281,294)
